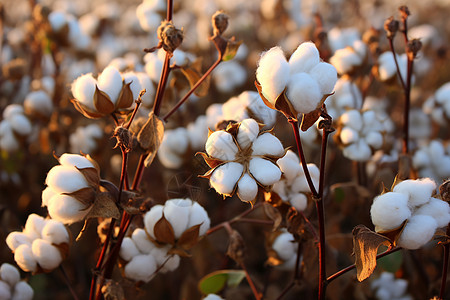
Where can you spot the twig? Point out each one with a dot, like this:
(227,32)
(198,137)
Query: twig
(391,46)
(67,281)
(255,291)
(445,266)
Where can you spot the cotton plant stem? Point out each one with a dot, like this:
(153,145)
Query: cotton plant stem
(405,148)
(68,283)
(255,291)
(445,266)
(192,90)
(297,273)
(391,46)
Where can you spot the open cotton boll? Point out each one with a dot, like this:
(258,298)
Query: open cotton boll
(151,218)
(135,86)
(221,145)
(169,265)
(272,73)
(24,258)
(83,89)
(67,209)
(198,133)
(140,268)
(9,274)
(8,141)
(229,75)
(358,151)
(47,256)
(5,291)
(146,83)
(55,232)
(289,165)
(176,140)
(247,188)
(353,119)
(345,60)
(75,160)
(247,133)
(176,212)
(304,58)
(267,144)
(198,215)
(285,246)
(348,135)
(374,139)
(418,191)
(148,19)
(20,124)
(47,194)
(34,226)
(128,249)
(300,183)
(418,231)
(225,177)
(40,102)
(153,66)
(389,211)
(12,110)
(326,76)
(23,291)
(57,179)
(16,238)
(438,209)
(264,171)
(303,92)
(299,201)
(140,239)
(110,82)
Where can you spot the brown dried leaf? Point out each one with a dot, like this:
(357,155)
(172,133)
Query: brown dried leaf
(150,137)
(231,49)
(125,97)
(283,104)
(273,214)
(365,248)
(85,111)
(236,247)
(193,74)
(310,118)
(163,231)
(210,161)
(104,207)
(179,252)
(85,195)
(102,102)
(113,290)
(189,237)
(91,175)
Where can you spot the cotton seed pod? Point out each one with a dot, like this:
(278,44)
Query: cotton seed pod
(47,256)
(418,231)
(389,211)
(140,268)
(9,274)
(304,58)
(24,258)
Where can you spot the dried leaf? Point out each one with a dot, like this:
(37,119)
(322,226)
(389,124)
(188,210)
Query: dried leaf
(210,161)
(104,207)
(125,97)
(113,290)
(150,137)
(163,231)
(273,214)
(193,74)
(365,248)
(189,237)
(397,180)
(310,118)
(102,102)
(85,195)
(91,175)
(179,252)
(231,49)
(236,247)
(85,111)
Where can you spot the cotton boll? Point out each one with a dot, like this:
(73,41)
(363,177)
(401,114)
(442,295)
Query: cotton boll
(247,133)
(9,274)
(22,291)
(198,215)
(8,141)
(300,183)
(67,209)
(153,66)
(39,102)
(151,218)
(34,226)
(213,297)
(55,232)
(128,249)
(135,86)
(284,246)
(304,58)
(5,291)
(264,171)
(221,145)
(326,76)
(229,75)
(267,144)
(140,239)
(303,92)
(57,179)
(198,133)
(353,119)
(387,68)
(20,124)
(389,210)
(12,110)
(75,160)
(418,231)
(421,158)
(272,73)
(148,19)
(345,60)
(47,194)
(57,20)
(140,268)
(83,89)
(25,259)
(418,191)
(358,151)
(176,140)
(225,177)
(171,264)
(299,201)
(15,239)
(176,212)
(47,256)
(247,188)
(146,83)
(374,139)
(110,82)
(348,135)
(438,209)
(169,159)
(289,165)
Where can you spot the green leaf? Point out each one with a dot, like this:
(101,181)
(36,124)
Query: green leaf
(339,195)
(216,281)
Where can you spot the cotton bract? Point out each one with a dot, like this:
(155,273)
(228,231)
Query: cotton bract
(11,287)
(35,248)
(242,157)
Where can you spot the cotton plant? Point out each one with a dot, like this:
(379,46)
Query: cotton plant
(41,246)
(340,38)
(387,69)
(293,187)
(387,287)
(360,133)
(346,96)
(85,139)
(410,202)
(432,160)
(11,287)
(282,250)
(72,187)
(242,158)
(14,127)
(347,60)
(438,105)
(154,62)
(303,82)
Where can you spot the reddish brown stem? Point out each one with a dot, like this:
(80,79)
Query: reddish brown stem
(68,283)
(255,291)
(445,266)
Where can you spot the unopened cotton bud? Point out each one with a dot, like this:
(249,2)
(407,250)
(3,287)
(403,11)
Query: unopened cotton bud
(140,239)
(83,89)
(264,171)
(225,177)
(55,232)
(16,238)
(47,256)
(220,144)
(267,144)
(303,92)
(176,212)
(22,291)
(151,218)
(140,268)
(110,82)
(9,274)
(75,160)
(438,209)
(198,215)
(326,76)
(273,73)
(67,209)
(418,191)
(24,258)
(57,179)
(247,133)
(389,210)
(247,188)
(128,249)
(417,232)
(304,58)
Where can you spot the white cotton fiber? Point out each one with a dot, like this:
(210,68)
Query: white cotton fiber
(146,83)
(67,209)
(151,218)
(170,264)
(140,239)
(153,66)
(12,110)
(300,183)
(38,101)
(47,256)
(75,160)
(176,212)
(387,68)
(225,177)
(299,201)
(220,144)
(57,20)
(110,82)
(83,89)
(247,133)
(358,151)
(348,135)
(198,215)
(135,86)
(8,141)
(418,191)
(303,92)
(16,238)
(267,144)
(9,274)
(24,258)
(34,225)
(304,58)
(169,159)
(272,73)
(352,118)
(20,124)
(247,188)
(374,139)
(22,291)
(345,60)
(140,268)
(5,291)
(289,165)
(389,211)
(264,171)
(326,76)
(128,249)
(284,246)
(438,209)
(418,231)
(57,179)
(55,232)
(47,194)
